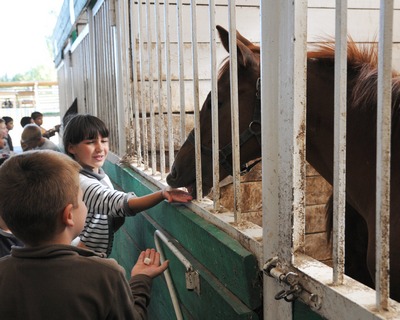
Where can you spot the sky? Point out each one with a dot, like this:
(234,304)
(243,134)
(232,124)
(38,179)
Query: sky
(24,26)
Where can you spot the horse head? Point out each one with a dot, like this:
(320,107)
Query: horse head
(183,170)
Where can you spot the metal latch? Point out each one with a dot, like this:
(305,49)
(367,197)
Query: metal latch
(192,280)
(295,290)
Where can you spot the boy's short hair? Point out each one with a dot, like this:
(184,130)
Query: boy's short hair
(8,119)
(36,114)
(82,127)
(35,187)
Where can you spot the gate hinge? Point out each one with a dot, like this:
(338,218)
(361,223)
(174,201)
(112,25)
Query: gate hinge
(273,269)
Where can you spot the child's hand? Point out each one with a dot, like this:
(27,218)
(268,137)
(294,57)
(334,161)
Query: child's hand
(149,264)
(177,195)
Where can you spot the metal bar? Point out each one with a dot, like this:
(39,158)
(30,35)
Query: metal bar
(181,69)
(142,89)
(214,107)
(234,112)
(168,85)
(383,154)
(170,285)
(120,72)
(270,58)
(135,88)
(149,28)
(339,158)
(196,106)
(299,67)
(161,125)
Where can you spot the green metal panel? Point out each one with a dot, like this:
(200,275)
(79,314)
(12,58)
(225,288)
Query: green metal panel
(303,312)
(230,282)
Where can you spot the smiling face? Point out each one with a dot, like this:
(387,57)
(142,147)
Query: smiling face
(90,153)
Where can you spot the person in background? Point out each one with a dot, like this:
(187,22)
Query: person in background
(5,151)
(85,139)
(31,139)
(25,120)
(53,278)
(37,118)
(10,125)
(7,239)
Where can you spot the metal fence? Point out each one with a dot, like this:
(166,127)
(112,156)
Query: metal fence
(144,68)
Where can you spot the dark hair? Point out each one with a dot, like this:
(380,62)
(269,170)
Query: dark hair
(8,119)
(82,127)
(25,120)
(36,114)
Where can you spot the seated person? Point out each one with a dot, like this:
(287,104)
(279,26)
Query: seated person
(32,139)
(53,278)
(37,118)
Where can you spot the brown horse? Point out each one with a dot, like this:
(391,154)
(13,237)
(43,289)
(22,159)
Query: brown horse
(361,135)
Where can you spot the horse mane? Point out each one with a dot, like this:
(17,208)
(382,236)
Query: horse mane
(362,60)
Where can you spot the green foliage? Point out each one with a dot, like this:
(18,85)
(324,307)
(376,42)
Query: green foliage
(38,73)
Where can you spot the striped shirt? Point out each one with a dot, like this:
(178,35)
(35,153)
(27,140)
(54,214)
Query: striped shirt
(103,203)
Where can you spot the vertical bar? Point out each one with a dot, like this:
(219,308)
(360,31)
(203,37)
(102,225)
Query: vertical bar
(234,113)
(159,88)
(383,154)
(299,70)
(142,88)
(120,72)
(181,60)
(214,107)
(135,88)
(339,158)
(270,60)
(199,190)
(149,28)
(169,84)
(93,58)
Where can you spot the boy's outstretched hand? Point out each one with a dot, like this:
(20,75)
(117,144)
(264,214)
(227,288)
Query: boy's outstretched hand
(177,195)
(149,264)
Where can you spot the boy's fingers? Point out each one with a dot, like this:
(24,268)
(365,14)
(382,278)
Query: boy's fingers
(164,265)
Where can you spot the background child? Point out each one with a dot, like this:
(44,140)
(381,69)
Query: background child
(55,279)
(10,125)
(25,120)
(37,118)
(85,139)
(5,151)
(7,239)
(32,139)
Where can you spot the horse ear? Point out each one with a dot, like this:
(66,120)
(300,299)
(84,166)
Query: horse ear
(224,36)
(245,55)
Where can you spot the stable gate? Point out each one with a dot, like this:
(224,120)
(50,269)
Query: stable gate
(145,68)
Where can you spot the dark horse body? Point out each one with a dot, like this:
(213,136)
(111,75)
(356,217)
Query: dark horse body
(361,138)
